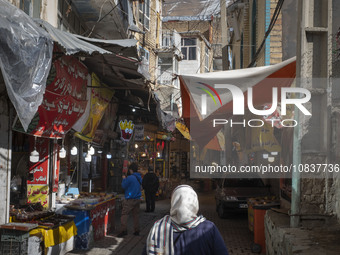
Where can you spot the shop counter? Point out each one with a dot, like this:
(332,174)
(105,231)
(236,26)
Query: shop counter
(58,240)
(25,238)
(93,222)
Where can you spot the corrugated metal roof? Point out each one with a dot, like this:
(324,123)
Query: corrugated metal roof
(190,9)
(69,42)
(122,43)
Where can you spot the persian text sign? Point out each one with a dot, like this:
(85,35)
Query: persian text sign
(38,194)
(139,132)
(64,101)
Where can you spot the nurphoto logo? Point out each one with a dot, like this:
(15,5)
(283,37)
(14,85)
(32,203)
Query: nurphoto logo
(239,103)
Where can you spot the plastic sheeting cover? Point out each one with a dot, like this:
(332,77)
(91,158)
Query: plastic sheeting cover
(25,60)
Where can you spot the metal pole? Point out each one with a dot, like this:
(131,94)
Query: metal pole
(296,176)
(296,196)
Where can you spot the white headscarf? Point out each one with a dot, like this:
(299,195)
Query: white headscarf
(183,216)
(184,204)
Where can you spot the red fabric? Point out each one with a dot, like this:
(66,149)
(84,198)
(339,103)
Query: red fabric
(213,144)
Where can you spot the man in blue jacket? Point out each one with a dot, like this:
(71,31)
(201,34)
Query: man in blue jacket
(131,185)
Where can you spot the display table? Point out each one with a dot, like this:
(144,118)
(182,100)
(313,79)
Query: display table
(93,222)
(58,240)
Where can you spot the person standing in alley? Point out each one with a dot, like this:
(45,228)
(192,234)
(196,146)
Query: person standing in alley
(183,231)
(132,188)
(150,185)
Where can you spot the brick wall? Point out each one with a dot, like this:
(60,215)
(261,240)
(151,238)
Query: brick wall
(246,37)
(149,39)
(275,37)
(260,30)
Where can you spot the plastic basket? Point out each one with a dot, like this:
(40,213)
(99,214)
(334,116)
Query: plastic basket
(14,235)
(10,247)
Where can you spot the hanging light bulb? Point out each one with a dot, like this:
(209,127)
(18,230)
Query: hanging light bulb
(34,157)
(91,151)
(265,156)
(271,159)
(99,151)
(62,152)
(274,153)
(136,145)
(74,150)
(109,155)
(88,157)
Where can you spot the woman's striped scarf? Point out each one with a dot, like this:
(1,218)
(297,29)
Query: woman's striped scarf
(183,216)
(160,239)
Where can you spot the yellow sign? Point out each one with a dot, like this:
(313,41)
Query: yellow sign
(37,194)
(183,129)
(100,98)
(262,138)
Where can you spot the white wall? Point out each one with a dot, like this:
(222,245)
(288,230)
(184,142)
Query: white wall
(49,11)
(188,66)
(5,160)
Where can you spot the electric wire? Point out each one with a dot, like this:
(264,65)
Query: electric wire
(270,27)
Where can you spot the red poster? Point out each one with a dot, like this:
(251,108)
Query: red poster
(64,100)
(39,170)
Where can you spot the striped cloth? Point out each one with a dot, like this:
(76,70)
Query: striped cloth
(160,238)
(183,216)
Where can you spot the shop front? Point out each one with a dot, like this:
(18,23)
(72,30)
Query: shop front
(67,146)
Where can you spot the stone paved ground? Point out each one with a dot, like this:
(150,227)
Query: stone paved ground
(234,230)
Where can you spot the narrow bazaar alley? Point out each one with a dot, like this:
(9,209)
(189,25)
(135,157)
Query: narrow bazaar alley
(234,230)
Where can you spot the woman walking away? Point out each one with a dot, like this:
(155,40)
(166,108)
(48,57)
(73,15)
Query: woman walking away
(183,232)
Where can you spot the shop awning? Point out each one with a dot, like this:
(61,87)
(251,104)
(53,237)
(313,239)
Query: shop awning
(219,102)
(69,42)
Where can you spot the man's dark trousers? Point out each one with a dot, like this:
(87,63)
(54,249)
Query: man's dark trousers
(150,198)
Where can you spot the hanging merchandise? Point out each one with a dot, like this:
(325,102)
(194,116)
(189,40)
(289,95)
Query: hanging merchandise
(55,167)
(100,99)
(126,130)
(64,100)
(275,118)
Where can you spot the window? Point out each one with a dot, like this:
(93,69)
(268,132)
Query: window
(167,39)
(165,68)
(144,13)
(188,48)
(31,8)
(206,60)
